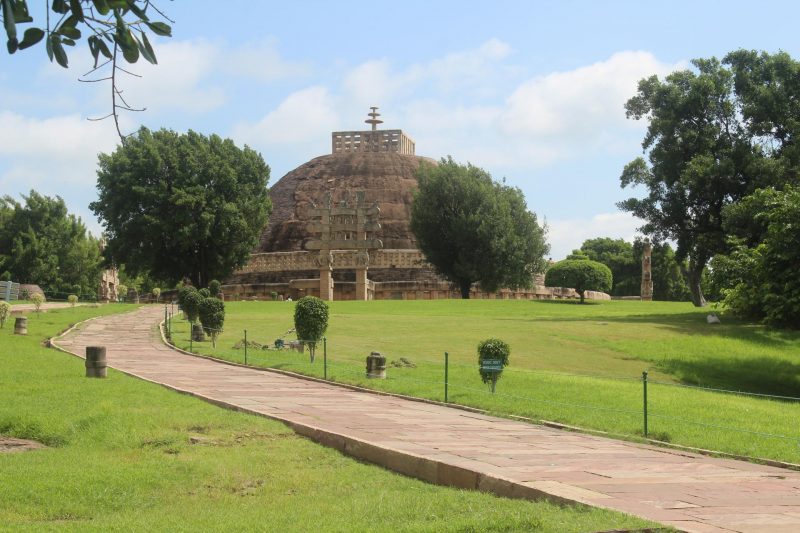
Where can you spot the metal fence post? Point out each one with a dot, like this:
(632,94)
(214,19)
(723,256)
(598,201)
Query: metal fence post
(446,365)
(245,347)
(644,390)
(166,317)
(325,358)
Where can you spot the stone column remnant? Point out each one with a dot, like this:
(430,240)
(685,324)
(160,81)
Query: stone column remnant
(647,276)
(21,325)
(376,366)
(96,362)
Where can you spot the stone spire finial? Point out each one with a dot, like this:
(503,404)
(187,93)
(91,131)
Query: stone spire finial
(374,120)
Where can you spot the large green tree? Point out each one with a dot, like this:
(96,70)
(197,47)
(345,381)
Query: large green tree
(41,243)
(758,278)
(716,133)
(177,205)
(473,229)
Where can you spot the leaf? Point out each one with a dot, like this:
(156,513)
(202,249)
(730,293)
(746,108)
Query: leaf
(139,12)
(58,51)
(68,42)
(101,6)
(101,45)
(67,31)
(10,24)
(130,51)
(31,37)
(49,47)
(12,45)
(60,6)
(21,15)
(146,49)
(160,28)
(77,10)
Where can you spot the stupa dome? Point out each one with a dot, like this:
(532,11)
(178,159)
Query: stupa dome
(388,178)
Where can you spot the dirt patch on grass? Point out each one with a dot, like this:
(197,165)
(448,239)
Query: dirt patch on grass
(10,444)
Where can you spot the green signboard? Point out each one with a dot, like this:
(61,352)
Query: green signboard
(492,365)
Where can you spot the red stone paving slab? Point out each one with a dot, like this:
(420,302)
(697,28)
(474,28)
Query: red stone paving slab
(453,447)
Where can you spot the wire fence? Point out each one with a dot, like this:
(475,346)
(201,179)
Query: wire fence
(634,405)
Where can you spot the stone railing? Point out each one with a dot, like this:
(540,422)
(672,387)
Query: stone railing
(289,261)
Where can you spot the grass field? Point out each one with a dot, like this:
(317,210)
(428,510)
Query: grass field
(132,456)
(576,364)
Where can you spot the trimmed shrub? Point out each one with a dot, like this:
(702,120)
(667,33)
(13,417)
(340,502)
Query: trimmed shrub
(122,291)
(38,299)
(212,317)
(205,293)
(5,312)
(214,287)
(579,274)
(156,293)
(310,321)
(492,349)
(191,305)
(72,299)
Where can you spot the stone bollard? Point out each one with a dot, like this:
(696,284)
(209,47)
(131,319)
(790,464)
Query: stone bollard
(198,335)
(376,366)
(95,361)
(21,325)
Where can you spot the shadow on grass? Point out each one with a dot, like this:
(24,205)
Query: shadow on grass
(762,375)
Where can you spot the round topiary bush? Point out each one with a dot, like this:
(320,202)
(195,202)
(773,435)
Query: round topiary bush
(310,321)
(493,349)
(156,293)
(191,305)
(580,274)
(72,299)
(212,317)
(214,287)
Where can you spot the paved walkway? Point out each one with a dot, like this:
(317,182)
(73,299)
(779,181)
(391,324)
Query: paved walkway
(459,448)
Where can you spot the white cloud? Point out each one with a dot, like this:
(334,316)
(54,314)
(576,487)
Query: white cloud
(566,235)
(582,103)
(61,148)
(262,61)
(303,117)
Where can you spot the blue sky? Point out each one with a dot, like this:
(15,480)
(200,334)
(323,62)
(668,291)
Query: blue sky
(531,91)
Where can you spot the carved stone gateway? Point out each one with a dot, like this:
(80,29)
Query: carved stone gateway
(647,276)
(344,227)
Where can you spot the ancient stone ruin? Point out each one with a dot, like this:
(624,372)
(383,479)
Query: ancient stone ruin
(379,167)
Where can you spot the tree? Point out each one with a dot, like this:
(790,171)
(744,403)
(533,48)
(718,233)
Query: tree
(580,274)
(472,229)
(761,271)
(123,24)
(178,205)
(618,256)
(41,243)
(310,321)
(715,135)
(212,317)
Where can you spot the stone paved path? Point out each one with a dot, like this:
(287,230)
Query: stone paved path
(459,448)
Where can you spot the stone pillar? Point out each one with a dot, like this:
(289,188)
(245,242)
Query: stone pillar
(361,284)
(21,325)
(325,284)
(376,366)
(95,361)
(647,276)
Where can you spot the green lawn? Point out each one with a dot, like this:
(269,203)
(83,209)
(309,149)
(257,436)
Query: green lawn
(132,456)
(571,363)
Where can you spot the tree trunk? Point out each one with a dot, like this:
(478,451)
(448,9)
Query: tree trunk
(465,287)
(694,275)
(582,294)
